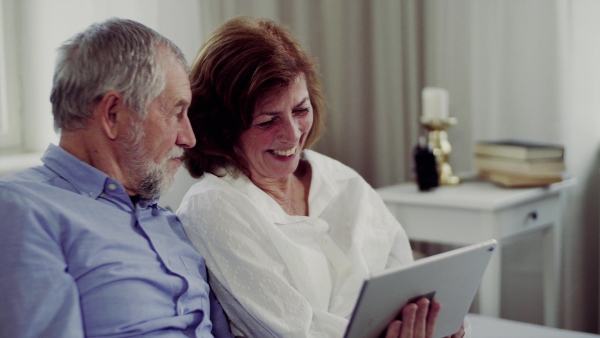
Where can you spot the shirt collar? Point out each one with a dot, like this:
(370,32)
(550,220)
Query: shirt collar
(322,191)
(88,180)
(323,186)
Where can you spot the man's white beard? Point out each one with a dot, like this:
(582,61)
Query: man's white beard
(153,179)
(157,178)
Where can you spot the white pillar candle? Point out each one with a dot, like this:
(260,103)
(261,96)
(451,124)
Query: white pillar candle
(434,104)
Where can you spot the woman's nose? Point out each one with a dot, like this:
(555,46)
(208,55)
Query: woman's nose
(290,131)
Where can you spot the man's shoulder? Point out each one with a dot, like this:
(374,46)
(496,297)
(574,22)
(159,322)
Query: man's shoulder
(23,179)
(32,174)
(33,182)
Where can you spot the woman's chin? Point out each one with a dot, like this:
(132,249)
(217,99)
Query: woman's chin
(284,167)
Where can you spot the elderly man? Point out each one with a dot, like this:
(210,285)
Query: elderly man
(85,249)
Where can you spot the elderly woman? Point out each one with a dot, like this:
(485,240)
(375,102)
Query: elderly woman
(288,234)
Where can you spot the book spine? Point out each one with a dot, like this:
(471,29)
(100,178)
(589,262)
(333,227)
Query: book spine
(530,168)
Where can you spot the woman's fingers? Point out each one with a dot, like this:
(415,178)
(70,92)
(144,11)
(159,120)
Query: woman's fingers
(409,312)
(393,330)
(434,310)
(418,320)
(421,328)
(460,333)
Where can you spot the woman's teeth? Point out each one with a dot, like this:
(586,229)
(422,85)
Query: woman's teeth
(288,152)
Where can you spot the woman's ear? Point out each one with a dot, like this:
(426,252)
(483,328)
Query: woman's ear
(111,113)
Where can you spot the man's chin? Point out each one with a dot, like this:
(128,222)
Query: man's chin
(154,188)
(167,181)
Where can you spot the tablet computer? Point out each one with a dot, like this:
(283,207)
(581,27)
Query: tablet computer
(451,278)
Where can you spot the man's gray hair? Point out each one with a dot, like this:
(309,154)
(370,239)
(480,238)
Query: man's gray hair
(117,54)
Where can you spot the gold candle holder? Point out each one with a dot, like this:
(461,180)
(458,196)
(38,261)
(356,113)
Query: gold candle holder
(437,140)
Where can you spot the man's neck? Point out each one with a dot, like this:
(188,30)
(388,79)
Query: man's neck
(98,152)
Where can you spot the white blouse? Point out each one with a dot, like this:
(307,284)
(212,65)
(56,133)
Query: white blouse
(278,275)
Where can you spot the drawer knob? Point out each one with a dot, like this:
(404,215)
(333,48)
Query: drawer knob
(533,215)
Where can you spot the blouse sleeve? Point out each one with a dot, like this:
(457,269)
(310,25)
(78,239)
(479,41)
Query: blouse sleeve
(400,252)
(249,277)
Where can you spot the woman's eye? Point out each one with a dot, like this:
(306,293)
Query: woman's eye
(266,123)
(301,111)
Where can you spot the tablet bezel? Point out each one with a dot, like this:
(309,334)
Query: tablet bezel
(452,278)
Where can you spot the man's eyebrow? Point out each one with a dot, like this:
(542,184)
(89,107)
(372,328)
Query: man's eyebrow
(182,103)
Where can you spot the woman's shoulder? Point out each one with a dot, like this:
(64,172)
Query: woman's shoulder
(209,182)
(329,166)
(211,188)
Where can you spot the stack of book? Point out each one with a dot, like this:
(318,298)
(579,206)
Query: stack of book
(515,163)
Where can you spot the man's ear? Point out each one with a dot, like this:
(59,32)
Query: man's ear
(111,113)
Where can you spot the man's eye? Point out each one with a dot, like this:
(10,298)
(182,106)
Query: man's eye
(179,114)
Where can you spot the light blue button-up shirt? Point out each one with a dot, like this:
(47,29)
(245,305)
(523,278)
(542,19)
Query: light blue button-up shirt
(78,258)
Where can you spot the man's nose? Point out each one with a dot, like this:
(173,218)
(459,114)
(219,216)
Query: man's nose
(185,136)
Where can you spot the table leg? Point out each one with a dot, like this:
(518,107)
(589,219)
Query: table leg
(551,275)
(489,290)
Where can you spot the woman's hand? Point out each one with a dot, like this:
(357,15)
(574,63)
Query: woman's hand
(459,334)
(418,320)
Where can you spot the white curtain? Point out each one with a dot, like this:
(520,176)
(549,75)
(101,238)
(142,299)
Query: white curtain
(529,69)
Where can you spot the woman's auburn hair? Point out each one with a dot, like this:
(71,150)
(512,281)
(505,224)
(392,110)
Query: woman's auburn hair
(242,62)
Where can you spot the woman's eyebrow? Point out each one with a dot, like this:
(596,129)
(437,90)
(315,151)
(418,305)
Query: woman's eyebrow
(268,113)
(302,102)
(273,113)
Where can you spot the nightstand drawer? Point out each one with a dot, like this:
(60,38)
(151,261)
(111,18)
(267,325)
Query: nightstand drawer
(528,216)
(453,226)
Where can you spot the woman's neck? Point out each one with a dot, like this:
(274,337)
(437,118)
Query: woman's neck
(290,192)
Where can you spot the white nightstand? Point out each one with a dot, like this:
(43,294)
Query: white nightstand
(477,210)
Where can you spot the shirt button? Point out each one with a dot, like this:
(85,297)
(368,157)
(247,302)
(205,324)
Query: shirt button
(112,186)
(181,310)
(324,241)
